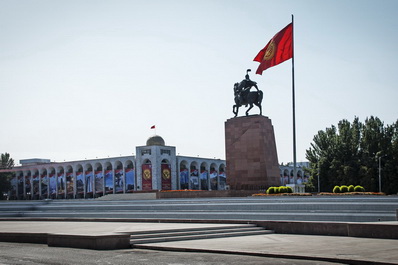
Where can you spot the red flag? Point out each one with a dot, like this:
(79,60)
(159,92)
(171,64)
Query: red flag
(153,127)
(278,50)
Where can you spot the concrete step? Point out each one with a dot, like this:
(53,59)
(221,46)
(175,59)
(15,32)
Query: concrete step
(293,216)
(204,233)
(347,209)
(198,229)
(189,232)
(193,207)
(153,205)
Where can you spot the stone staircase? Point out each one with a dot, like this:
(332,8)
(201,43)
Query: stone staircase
(284,208)
(147,237)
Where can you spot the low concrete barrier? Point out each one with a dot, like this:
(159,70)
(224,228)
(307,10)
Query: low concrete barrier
(368,230)
(16,237)
(97,242)
(386,231)
(305,228)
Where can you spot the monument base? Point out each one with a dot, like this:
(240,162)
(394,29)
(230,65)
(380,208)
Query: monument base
(251,157)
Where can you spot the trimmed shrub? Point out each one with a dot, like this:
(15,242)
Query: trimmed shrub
(344,189)
(336,189)
(276,189)
(271,190)
(289,189)
(282,189)
(351,188)
(359,189)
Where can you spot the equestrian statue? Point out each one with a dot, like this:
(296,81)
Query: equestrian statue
(243,95)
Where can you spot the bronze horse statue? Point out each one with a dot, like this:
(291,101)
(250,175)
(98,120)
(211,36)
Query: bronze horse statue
(243,96)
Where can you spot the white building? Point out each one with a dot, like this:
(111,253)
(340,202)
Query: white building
(287,173)
(155,167)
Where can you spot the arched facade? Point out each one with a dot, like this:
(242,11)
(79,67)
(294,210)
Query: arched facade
(78,179)
(195,173)
(155,167)
(287,175)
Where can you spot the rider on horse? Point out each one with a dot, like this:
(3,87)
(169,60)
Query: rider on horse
(244,88)
(245,97)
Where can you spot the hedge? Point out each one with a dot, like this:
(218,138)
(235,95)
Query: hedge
(345,188)
(281,189)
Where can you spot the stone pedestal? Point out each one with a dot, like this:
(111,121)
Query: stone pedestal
(251,157)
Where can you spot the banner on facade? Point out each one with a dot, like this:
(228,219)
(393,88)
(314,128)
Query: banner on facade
(119,180)
(89,182)
(108,181)
(36,185)
(27,184)
(213,180)
(53,184)
(166,177)
(130,179)
(204,182)
(61,183)
(146,177)
(79,183)
(194,179)
(69,183)
(99,182)
(223,180)
(184,178)
(44,184)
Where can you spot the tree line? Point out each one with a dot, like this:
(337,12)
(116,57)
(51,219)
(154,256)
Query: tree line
(352,154)
(6,162)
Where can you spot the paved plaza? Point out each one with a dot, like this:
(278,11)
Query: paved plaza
(346,250)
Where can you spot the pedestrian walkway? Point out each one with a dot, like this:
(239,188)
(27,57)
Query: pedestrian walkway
(348,250)
(324,248)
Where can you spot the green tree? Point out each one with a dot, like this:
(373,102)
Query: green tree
(349,155)
(6,162)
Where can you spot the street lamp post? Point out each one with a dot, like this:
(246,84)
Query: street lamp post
(380,172)
(319,184)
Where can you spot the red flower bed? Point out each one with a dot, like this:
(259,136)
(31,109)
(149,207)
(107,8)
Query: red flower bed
(351,193)
(283,194)
(177,190)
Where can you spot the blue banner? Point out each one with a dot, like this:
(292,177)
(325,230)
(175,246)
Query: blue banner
(119,180)
(130,179)
(108,181)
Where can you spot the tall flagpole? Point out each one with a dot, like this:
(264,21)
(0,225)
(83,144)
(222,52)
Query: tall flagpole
(294,110)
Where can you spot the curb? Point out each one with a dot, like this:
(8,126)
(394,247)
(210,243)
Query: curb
(350,229)
(268,255)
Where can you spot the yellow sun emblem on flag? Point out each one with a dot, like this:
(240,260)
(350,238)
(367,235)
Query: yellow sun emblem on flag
(270,52)
(147,174)
(166,174)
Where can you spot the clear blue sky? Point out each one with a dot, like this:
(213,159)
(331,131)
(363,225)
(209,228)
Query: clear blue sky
(85,79)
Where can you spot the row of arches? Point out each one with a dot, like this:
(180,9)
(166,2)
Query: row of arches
(99,177)
(287,176)
(196,175)
(78,180)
